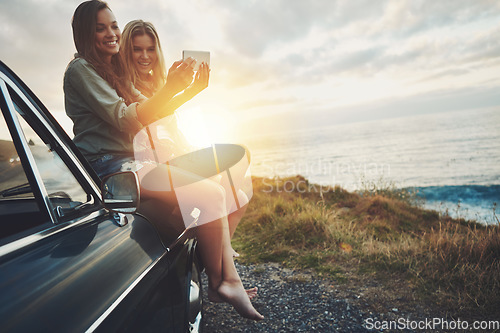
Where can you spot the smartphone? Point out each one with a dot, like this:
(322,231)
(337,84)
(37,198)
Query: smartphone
(199,56)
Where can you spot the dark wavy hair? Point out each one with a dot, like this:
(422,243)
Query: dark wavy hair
(84,30)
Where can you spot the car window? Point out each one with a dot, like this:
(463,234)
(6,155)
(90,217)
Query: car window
(18,208)
(38,186)
(65,193)
(12,176)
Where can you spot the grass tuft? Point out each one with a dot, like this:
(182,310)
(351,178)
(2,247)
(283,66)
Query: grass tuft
(453,263)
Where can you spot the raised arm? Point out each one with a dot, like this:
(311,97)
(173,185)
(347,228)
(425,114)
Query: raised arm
(180,75)
(199,84)
(166,104)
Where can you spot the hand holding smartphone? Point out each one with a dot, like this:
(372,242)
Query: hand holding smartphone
(198,56)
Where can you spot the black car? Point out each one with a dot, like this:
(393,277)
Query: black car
(74,253)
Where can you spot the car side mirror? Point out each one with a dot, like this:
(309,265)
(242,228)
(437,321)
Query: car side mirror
(120,192)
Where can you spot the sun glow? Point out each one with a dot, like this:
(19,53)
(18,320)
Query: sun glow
(205,127)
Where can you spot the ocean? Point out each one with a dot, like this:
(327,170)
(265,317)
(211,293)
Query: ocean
(451,159)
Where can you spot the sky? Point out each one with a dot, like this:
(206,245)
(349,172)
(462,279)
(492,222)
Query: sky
(284,64)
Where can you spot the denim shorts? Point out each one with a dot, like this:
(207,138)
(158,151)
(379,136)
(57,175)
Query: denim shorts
(110,163)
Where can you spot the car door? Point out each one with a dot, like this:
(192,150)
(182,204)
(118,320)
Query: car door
(66,263)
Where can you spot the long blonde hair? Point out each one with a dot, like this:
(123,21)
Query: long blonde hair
(158,73)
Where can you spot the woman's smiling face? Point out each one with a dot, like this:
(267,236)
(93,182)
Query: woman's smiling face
(143,54)
(107,35)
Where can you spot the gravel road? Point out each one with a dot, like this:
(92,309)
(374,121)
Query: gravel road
(291,302)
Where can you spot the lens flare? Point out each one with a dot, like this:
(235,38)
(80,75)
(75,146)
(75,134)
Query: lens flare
(205,127)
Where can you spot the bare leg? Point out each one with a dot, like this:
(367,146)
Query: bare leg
(234,219)
(213,239)
(231,289)
(209,238)
(224,283)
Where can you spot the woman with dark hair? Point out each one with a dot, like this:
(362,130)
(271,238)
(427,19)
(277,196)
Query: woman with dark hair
(107,111)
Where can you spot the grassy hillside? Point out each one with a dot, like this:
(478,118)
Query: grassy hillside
(453,264)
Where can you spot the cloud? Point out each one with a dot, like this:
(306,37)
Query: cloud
(443,74)
(280,56)
(444,100)
(268,102)
(253,27)
(360,56)
(405,18)
(36,38)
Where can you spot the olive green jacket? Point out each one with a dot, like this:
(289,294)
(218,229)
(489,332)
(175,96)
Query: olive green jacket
(102,122)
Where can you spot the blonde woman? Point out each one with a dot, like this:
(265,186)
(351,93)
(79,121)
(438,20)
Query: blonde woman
(143,57)
(144,62)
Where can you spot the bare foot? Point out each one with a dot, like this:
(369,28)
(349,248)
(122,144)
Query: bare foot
(252,292)
(234,294)
(235,254)
(214,297)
